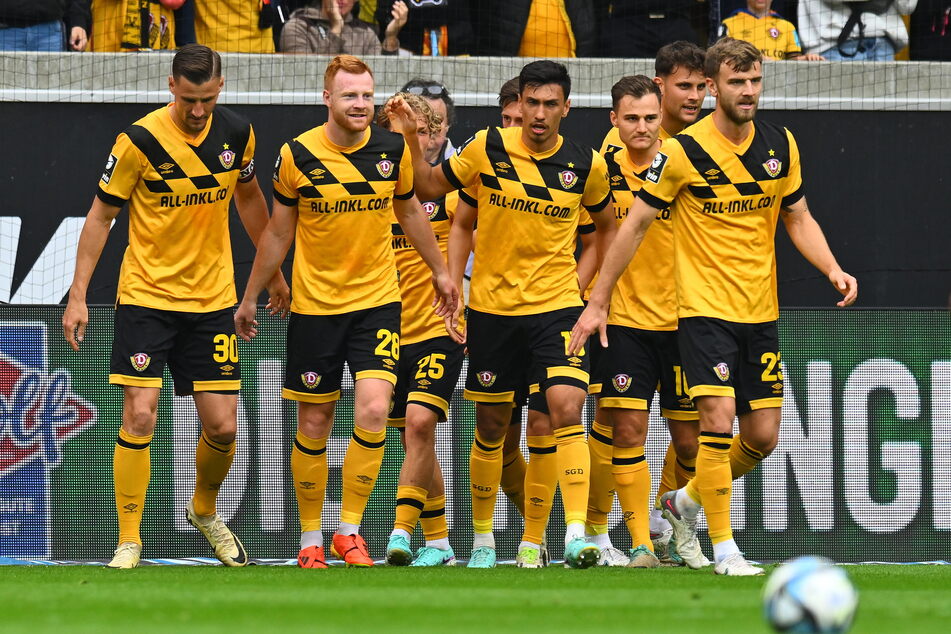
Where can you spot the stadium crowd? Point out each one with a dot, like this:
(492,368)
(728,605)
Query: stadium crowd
(827,29)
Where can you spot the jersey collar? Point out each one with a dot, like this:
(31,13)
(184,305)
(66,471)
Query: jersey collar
(322,130)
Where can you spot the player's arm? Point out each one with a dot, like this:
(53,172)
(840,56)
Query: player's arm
(416,226)
(252,210)
(430,182)
(807,235)
(623,245)
(92,239)
(588,260)
(272,246)
(461,244)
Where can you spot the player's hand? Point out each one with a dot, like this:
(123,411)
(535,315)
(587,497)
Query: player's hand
(593,318)
(447,297)
(279,296)
(75,318)
(401,116)
(845,284)
(811,57)
(245,325)
(400,15)
(452,325)
(78,38)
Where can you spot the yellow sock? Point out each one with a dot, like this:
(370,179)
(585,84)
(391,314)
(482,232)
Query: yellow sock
(684,470)
(743,458)
(714,482)
(309,470)
(485,473)
(601,493)
(410,502)
(541,480)
(574,466)
(668,477)
(361,466)
(433,519)
(131,470)
(633,481)
(513,479)
(212,463)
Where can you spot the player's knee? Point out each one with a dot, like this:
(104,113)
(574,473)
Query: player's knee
(372,414)
(538,425)
(223,435)
(139,420)
(686,448)
(763,443)
(419,435)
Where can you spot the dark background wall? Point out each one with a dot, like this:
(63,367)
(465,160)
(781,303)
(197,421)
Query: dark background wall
(876,181)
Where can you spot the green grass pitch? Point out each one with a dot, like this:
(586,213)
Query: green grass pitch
(285,599)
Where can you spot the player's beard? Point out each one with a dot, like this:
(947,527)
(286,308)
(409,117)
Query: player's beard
(737,116)
(344,121)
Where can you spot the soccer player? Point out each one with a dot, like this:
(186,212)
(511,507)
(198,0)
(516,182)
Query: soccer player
(428,372)
(178,168)
(678,70)
(337,187)
(727,180)
(533,184)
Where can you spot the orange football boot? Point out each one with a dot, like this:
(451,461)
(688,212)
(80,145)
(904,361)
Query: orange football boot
(352,549)
(311,557)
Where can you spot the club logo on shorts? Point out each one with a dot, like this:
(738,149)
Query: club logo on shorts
(773,167)
(385,168)
(140,361)
(723,371)
(486,378)
(621,382)
(773,32)
(226,157)
(310,380)
(567,179)
(431,209)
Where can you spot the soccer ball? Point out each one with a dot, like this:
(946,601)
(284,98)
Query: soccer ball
(809,594)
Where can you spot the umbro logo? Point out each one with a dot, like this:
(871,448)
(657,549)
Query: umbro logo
(317,172)
(502,165)
(712,172)
(535,500)
(307,485)
(628,515)
(365,479)
(165,168)
(723,491)
(131,507)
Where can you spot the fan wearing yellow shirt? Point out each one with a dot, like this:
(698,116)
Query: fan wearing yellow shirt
(533,184)
(178,169)
(727,181)
(765,29)
(234,26)
(336,190)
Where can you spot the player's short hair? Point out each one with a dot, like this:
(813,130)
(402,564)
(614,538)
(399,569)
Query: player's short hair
(347,64)
(542,72)
(197,63)
(636,86)
(679,54)
(418,105)
(432,89)
(508,93)
(739,55)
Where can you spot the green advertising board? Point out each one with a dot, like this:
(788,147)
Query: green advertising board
(862,471)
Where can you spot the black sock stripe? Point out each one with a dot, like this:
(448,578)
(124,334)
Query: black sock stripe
(425,515)
(717,445)
(417,504)
(752,453)
(484,447)
(131,445)
(685,467)
(634,460)
(310,452)
(601,438)
(542,450)
(368,444)
(571,435)
(213,445)
(716,434)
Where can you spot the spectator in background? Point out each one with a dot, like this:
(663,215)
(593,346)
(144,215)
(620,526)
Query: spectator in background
(931,31)
(119,25)
(640,28)
(536,28)
(328,27)
(765,29)
(38,25)
(435,27)
(438,98)
(839,30)
(235,26)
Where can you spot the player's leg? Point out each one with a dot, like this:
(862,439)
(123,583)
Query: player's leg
(437,551)
(416,476)
(513,461)
(632,478)
(759,433)
(759,399)
(541,481)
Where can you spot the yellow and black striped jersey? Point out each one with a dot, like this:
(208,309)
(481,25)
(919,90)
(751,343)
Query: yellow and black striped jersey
(179,190)
(646,295)
(418,321)
(343,261)
(775,37)
(529,209)
(725,201)
(231,26)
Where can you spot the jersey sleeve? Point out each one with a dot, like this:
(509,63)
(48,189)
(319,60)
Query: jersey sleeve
(247,166)
(463,168)
(793,192)
(666,176)
(404,182)
(597,189)
(124,168)
(470,196)
(452,201)
(793,44)
(285,177)
(585,223)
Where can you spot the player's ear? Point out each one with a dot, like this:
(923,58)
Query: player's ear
(221,82)
(711,86)
(326,97)
(171,84)
(613,118)
(567,108)
(660,84)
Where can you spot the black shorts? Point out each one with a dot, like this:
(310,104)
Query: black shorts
(500,344)
(201,349)
(637,363)
(317,346)
(428,374)
(725,358)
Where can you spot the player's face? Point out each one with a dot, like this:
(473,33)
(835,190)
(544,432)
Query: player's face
(638,121)
(423,134)
(439,139)
(758,7)
(194,103)
(683,91)
(738,92)
(543,108)
(512,115)
(350,101)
